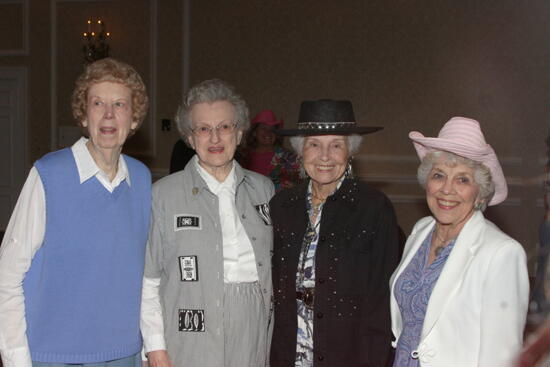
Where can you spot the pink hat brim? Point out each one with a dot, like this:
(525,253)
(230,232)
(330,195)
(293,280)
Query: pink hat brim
(269,123)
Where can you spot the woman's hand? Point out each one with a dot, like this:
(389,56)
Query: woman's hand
(159,358)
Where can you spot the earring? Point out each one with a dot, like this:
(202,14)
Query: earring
(349,169)
(302,171)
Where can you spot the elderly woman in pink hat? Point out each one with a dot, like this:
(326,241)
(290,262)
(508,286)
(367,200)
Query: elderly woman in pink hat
(265,153)
(459,295)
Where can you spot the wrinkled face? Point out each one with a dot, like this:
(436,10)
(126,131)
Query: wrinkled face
(109,115)
(451,193)
(325,158)
(265,136)
(215,150)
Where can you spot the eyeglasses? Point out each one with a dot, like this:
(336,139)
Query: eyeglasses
(224,128)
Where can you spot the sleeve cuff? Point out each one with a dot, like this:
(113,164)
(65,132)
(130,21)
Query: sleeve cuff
(152,343)
(18,357)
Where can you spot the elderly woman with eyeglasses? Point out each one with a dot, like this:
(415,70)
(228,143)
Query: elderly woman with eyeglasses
(335,247)
(459,295)
(207,287)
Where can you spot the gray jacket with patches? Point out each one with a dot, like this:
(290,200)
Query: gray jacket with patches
(178,237)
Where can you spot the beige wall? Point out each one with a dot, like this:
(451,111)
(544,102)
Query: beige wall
(406,65)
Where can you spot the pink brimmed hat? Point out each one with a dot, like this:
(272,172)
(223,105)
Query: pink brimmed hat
(462,136)
(267,117)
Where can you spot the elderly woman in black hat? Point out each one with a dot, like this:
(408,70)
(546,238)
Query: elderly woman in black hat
(335,248)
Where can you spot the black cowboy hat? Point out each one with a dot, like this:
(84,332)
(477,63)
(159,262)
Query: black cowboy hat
(327,117)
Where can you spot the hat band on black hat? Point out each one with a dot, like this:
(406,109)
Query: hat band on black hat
(324,125)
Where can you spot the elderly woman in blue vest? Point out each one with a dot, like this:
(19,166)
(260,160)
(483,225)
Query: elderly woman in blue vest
(72,258)
(460,293)
(335,247)
(207,287)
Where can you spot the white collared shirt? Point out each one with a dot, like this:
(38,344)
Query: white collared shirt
(87,168)
(24,236)
(239,263)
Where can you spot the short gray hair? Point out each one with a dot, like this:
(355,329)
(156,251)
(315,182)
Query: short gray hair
(482,174)
(353,142)
(210,91)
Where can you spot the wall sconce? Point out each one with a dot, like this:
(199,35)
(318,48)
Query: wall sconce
(96,46)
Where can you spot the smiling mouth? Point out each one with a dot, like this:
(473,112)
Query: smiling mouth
(216,150)
(324,167)
(446,204)
(107,130)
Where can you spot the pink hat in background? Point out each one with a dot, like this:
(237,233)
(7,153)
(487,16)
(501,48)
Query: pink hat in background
(462,136)
(267,117)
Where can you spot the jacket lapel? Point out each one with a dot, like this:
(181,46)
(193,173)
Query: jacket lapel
(296,204)
(411,247)
(451,277)
(200,191)
(341,201)
(414,241)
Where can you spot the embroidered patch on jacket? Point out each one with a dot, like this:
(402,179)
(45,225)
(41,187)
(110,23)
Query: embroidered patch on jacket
(191,320)
(186,221)
(189,268)
(263,210)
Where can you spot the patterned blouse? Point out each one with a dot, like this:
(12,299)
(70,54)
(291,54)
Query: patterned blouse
(412,291)
(305,278)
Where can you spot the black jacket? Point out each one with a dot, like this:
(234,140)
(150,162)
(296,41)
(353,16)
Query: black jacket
(356,255)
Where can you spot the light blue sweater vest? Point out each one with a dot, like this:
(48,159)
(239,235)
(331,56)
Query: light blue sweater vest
(83,289)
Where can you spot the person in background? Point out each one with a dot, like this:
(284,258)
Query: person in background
(335,247)
(539,346)
(538,307)
(72,258)
(181,154)
(207,291)
(460,292)
(265,154)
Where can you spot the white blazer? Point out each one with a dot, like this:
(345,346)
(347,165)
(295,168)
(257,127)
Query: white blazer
(477,310)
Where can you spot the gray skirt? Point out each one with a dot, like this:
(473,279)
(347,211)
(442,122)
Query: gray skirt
(245,324)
